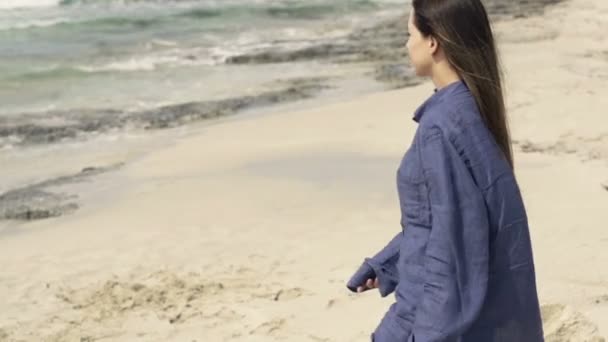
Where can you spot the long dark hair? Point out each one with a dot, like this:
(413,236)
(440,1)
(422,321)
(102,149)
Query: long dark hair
(462,29)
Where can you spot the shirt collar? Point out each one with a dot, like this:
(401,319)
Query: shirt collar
(437,97)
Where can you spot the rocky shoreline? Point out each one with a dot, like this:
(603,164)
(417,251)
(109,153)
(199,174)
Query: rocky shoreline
(57,126)
(382,46)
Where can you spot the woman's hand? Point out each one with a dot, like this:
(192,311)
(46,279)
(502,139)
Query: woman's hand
(369,284)
(364,279)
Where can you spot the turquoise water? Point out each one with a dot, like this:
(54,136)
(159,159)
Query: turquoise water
(131,54)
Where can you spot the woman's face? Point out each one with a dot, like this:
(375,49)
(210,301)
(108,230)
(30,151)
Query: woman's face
(419,49)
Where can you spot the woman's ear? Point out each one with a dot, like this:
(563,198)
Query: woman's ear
(433,45)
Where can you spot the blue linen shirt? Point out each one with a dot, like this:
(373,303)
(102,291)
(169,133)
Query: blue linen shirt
(462,267)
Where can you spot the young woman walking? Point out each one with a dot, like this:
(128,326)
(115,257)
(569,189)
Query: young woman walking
(462,267)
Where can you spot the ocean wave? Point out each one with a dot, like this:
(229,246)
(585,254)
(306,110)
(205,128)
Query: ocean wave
(49,73)
(35,23)
(18,4)
(149,63)
(197,13)
(108,23)
(167,59)
(216,3)
(122,2)
(278,10)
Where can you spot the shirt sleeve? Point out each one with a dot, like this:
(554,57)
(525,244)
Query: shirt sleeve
(456,257)
(383,265)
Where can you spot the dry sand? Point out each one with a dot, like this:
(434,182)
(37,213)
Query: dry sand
(248,229)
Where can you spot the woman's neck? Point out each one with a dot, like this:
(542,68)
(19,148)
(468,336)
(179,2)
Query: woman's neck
(444,75)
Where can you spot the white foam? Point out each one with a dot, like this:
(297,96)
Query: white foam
(174,57)
(33,23)
(132,64)
(11,4)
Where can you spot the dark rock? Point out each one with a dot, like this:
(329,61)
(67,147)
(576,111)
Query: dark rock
(32,129)
(396,75)
(323,51)
(382,42)
(89,169)
(176,115)
(35,202)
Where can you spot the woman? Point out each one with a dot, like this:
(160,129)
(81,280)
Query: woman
(462,268)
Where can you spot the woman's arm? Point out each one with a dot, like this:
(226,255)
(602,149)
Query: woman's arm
(381,266)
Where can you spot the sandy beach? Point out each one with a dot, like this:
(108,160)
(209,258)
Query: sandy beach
(247,228)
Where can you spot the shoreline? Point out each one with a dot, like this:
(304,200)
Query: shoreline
(388,66)
(227,230)
(379,48)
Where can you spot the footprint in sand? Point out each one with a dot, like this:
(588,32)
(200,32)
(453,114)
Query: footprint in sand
(350,297)
(331,303)
(602,55)
(319,339)
(563,324)
(600,300)
(280,295)
(220,317)
(288,294)
(172,297)
(268,328)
